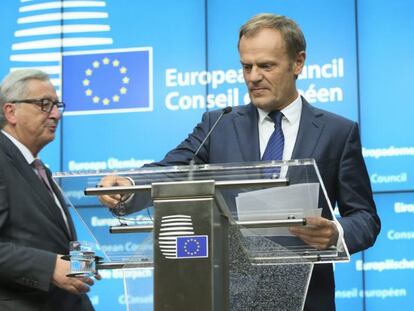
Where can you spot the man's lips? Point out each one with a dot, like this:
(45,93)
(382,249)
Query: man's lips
(52,127)
(257,90)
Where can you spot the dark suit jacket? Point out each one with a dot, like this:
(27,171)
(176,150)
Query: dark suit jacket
(32,232)
(332,141)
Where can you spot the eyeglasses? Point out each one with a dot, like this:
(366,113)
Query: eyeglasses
(45,104)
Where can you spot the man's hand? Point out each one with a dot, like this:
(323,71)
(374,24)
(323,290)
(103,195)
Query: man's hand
(111,181)
(319,232)
(73,285)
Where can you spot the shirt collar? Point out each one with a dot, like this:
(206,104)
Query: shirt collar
(291,112)
(23,149)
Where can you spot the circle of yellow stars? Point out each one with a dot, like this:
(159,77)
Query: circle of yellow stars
(195,244)
(106,61)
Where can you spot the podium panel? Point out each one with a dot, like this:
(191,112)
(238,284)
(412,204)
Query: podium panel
(215,237)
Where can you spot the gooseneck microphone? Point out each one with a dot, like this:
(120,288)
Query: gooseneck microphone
(223,112)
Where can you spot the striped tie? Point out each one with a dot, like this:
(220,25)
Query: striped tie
(276,143)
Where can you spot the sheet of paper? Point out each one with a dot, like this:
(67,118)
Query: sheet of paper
(293,201)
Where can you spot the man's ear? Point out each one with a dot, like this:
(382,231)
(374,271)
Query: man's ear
(9,111)
(299,62)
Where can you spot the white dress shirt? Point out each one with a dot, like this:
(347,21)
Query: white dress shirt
(290,128)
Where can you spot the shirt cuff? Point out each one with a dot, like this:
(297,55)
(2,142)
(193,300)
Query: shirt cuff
(339,244)
(132,194)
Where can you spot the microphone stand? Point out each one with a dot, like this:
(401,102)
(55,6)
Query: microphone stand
(192,162)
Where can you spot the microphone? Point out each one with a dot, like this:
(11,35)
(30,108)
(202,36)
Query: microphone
(223,112)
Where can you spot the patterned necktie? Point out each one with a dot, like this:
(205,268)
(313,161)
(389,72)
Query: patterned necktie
(275,145)
(41,172)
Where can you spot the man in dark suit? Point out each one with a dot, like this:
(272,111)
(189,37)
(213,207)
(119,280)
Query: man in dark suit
(35,224)
(272,54)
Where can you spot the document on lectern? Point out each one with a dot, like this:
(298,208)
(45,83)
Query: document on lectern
(288,202)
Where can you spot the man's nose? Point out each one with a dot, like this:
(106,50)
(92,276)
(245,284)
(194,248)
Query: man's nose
(255,74)
(55,113)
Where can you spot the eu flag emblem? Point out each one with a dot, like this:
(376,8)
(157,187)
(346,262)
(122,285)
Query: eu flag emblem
(192,246)
(109,81)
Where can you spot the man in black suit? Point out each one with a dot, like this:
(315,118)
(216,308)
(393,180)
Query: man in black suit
(272,53)
(35,224)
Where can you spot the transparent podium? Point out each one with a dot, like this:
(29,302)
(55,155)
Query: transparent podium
(215,237)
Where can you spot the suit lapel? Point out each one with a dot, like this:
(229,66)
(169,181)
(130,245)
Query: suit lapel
(310,130)
(24,168)
(39,190)
(247,133)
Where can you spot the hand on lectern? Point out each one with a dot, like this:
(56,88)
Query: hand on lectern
(319,232)
(113,200)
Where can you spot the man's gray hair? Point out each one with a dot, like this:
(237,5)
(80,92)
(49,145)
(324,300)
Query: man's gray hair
(292,34)
(14,87)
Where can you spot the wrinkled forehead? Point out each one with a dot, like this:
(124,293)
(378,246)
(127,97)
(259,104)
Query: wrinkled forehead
(40,89)
(267,41)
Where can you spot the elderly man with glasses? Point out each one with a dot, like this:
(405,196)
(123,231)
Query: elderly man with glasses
(35,224)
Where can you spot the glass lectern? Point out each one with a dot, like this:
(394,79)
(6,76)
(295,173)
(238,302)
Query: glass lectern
(215,236)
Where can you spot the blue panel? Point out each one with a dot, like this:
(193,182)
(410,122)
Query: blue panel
(386,66)
(349,285)
(8,25)
(389,266)
(127,140)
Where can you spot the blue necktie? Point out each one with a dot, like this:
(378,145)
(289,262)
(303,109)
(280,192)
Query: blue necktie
(276,143)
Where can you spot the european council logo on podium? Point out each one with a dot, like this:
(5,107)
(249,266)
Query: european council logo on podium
(107,81)
(177,240)
(195,246)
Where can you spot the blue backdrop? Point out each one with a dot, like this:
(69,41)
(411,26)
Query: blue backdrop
(131,71)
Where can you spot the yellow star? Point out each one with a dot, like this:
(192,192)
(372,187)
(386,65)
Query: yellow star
(86,82)
(88,72)
(95,64)
(115,98)
(115,63)
(105,61)
(88,92)
(125,80)
(123,70)
(106,101)
(123,90)
(96,99)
